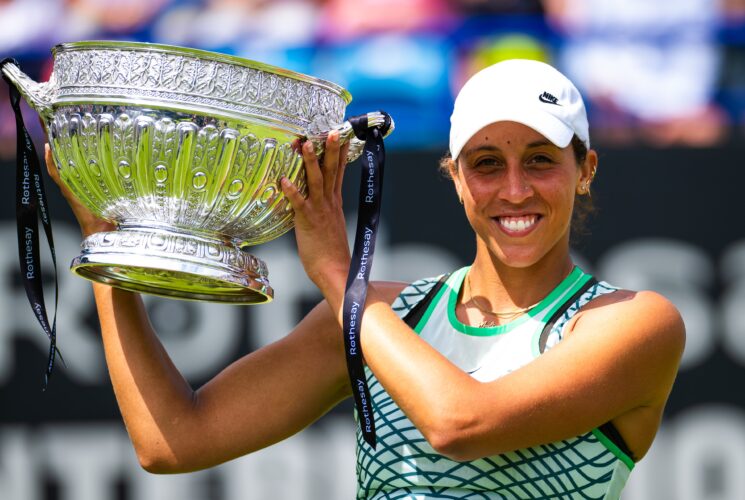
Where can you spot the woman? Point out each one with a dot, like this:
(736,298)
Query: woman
(519,376)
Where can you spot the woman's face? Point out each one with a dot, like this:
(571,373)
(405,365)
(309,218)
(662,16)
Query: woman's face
(518,192)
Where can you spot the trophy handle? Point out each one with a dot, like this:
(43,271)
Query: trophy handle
(374,119)
(38,95)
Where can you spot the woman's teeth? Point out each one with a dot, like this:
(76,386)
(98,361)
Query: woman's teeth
(517,223)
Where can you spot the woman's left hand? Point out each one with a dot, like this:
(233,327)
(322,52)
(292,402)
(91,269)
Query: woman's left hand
(320,227)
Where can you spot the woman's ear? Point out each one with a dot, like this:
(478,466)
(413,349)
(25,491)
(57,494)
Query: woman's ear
(453,171)
(587,172)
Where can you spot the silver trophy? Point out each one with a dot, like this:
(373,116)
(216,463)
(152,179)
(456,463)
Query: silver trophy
(183,150)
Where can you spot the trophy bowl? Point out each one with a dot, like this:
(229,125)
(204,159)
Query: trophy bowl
(183,150)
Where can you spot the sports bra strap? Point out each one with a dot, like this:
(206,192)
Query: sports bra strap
(415,314)
(560,312)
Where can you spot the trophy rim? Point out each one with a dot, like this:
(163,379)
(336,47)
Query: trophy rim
(203,54)
(114,268)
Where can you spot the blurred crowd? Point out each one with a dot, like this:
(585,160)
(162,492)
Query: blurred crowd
(654,72)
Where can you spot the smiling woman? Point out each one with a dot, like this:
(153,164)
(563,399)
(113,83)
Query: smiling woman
(518,376)
(583,204)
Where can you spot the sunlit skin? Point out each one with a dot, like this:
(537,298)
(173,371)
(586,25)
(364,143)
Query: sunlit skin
(508,171)
(632,341)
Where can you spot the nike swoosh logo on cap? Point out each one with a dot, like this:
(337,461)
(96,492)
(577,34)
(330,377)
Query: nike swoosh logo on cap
(548,99)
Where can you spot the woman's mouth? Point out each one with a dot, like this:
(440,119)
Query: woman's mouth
(517,225)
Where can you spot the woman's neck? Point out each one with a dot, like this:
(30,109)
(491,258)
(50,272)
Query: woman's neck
(506,288)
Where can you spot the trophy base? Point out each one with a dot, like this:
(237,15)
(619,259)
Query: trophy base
(172,264)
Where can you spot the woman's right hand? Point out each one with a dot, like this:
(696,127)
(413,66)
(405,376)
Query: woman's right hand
(88,222)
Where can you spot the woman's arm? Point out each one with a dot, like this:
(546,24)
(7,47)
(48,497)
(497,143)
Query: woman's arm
(258,400)
(621,357)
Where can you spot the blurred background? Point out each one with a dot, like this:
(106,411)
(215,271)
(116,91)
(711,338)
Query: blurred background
(664,82)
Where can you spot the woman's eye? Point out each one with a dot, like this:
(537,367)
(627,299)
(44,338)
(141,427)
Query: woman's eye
(485,162)
(540,160)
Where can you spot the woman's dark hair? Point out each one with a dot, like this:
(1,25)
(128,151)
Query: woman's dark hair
(583,204)
(584,207)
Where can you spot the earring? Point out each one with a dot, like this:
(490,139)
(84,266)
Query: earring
(460,198)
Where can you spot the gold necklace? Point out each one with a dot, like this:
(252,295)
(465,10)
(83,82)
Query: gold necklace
(497,314)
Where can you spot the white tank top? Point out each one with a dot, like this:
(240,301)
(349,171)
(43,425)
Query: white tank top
(405,466)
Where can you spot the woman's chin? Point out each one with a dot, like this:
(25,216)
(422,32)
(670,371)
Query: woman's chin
(518,259)
(526,256)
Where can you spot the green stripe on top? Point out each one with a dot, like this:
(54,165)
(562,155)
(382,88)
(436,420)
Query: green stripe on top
(404,465)
(623,457)
(571,283)
(581,282)
(431,307)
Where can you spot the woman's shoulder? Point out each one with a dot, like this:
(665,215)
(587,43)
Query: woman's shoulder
(402,296)
(644,303)
(390,290)
(635,336)
(645,316)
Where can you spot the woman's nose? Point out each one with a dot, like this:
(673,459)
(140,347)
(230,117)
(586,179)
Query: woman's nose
(516,187)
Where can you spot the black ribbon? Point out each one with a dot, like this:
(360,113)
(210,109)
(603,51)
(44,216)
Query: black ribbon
(368,216)
(31,205)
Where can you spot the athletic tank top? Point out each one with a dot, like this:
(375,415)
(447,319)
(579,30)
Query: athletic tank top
(405,466)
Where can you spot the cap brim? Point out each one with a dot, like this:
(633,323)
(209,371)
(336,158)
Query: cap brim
(546,124)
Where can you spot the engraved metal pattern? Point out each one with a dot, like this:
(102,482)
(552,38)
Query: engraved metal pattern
(184,151)
(149,242)
(218,177)
(137,73)
(154,169)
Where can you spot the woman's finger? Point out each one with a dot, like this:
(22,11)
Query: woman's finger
(330,162)
(339,178)
(51,166)
(312,171)
(296,198)
(53,172)
(88,222)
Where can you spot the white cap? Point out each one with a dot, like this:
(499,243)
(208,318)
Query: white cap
(523,91)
